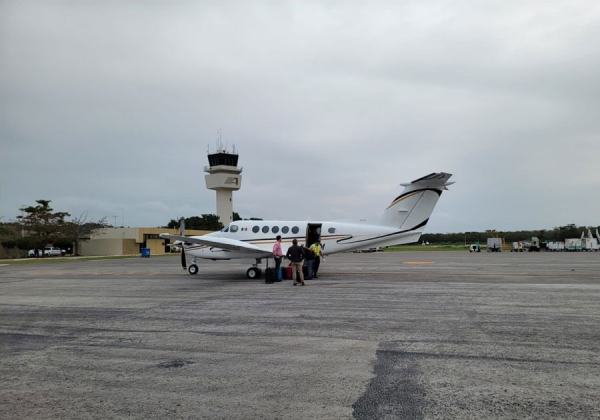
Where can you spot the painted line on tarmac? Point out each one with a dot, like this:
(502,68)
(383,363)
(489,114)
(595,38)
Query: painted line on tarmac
(417,262)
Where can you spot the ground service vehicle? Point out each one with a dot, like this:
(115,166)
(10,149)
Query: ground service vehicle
(535,244)
(517,247)
(475,247)
(589,244)
(49,251)
(558,246)
(494,244)
(573,244)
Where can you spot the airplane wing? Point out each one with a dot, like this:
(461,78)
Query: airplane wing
(223,243)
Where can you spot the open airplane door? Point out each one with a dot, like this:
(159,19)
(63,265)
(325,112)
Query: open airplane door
(313,233)
(182,233)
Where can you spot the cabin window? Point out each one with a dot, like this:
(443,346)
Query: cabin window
(285,229)
(295,229)
(255,229)
(265,229)
(331,230)
(275,229)
(234,228)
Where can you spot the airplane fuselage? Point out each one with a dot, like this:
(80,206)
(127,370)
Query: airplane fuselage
(334,236)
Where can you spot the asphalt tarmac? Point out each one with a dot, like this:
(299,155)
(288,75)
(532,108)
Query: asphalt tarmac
(407,335)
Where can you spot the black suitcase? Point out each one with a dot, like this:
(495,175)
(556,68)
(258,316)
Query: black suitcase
(270,275)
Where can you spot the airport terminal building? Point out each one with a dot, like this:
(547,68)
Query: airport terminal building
(130,241)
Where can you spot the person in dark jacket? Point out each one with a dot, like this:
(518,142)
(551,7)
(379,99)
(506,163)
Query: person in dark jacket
(295,254)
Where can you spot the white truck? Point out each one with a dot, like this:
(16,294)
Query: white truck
(556,246)
(589,244)
(49,251)
(494,244)
(535,244)
(517,247)
(573,244)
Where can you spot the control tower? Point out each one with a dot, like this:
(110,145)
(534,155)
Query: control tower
(224,177)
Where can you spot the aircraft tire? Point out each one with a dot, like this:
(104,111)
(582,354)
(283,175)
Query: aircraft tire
(193,269)
(253,273)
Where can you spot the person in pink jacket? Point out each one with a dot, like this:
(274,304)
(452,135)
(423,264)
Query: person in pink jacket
(277,255)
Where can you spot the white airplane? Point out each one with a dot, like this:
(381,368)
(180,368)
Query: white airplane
(402,222)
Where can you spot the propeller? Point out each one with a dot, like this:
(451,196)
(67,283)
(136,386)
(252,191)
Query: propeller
(182,233)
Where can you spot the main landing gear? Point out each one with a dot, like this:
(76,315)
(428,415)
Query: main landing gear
(255,271)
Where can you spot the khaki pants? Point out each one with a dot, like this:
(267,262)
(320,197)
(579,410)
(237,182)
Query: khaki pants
(297,266)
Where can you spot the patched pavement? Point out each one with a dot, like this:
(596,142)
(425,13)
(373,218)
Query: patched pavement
(420,335)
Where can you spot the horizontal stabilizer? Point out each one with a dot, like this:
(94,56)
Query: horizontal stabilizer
(433,179)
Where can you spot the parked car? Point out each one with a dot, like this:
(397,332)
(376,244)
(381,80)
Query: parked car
(49,251)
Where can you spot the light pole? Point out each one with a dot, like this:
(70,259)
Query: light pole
(115,225)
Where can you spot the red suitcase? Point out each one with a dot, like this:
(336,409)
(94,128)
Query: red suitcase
(288,272)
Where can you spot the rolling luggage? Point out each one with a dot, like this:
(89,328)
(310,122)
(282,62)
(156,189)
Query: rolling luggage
(288,272)
(279,275)
(270,275)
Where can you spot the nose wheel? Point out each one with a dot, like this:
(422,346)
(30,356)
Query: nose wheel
(193,269)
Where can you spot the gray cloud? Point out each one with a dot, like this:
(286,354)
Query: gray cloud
(109,107)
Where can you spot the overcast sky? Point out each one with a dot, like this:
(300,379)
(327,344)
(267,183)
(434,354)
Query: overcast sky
(110,107)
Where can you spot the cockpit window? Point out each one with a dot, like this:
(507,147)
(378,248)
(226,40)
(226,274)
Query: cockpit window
(225,229)
(234,228)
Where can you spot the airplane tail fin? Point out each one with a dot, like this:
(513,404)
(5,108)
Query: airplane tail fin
(412,208)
